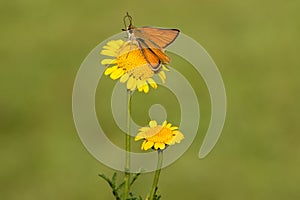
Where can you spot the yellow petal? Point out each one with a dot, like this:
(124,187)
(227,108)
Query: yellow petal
(119,42)
(115,44)
(173,128)
(139,85)
(109,70)
(108,61)
(146,88)
(148,145)
(124,78)
(107,52)
(165,68)
(134,85)
(162,76)
(144,129)
(143,144)
(117,74)
(152,83)
(131,83)
(169,125)
(178,136)
(105,47)
(152,123)
(165,123)
(159,145)
(139,136)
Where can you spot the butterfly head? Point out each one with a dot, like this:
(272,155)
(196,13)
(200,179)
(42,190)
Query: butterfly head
(127,20)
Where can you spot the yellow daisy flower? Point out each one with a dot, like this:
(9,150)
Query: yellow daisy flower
(129,65)
(159,136)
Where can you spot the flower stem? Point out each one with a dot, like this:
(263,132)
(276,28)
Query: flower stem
(127,147)
(157,172)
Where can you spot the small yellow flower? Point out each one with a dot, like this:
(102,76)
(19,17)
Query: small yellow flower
(159,136)
(129,65)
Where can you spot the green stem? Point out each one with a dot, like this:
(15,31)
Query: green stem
(157,172)
(127,147)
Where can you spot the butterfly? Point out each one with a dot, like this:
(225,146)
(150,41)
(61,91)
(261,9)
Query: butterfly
(151,41)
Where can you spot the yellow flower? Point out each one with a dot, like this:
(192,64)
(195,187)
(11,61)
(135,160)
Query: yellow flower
(130,66)
(159,136)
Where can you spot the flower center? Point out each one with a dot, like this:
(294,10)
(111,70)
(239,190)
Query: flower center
(142,72)
(131,60)
(160,134)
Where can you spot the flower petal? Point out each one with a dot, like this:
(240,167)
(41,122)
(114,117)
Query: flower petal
(165,68)
(120,42)
(148,145)
(165,123)
(107,47)
(108,61)
(152,123)
(159,145)
(146,88)
(152,83)
(108,52)
(124,78)
(178,137)
(117,74)
(144,129)
(115,44)
(169,125)
(143,144)
(131,83)
(139,136)
(109,70)
(139,85)
(162,76)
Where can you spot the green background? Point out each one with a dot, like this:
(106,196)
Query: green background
(255,45)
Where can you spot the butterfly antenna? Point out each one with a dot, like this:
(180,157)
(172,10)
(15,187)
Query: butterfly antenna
(129,18)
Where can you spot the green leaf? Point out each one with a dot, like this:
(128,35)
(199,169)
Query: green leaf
(135,176)
(114,178)
(112,184)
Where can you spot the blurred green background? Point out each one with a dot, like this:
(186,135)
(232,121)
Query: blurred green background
(255,45)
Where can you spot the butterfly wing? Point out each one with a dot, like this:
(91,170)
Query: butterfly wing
(152,42)
(154,56)
(157,37)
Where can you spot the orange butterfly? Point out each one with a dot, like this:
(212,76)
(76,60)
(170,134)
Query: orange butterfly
(151,41)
